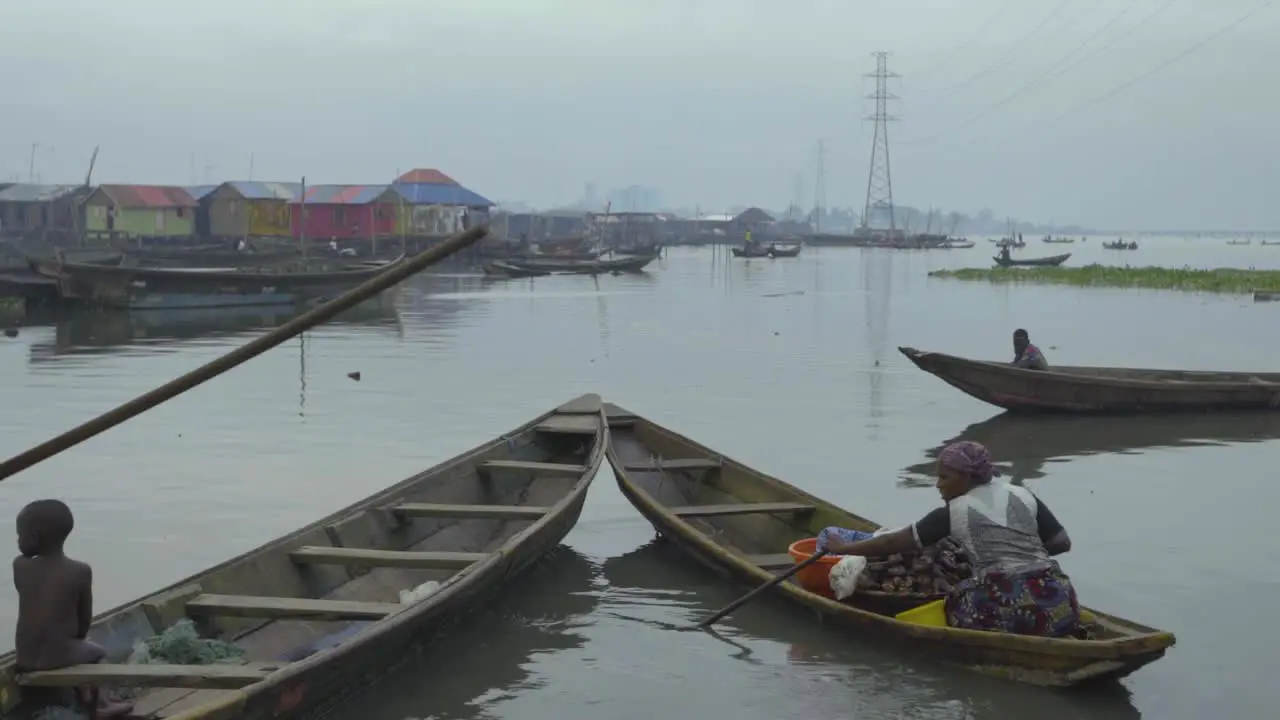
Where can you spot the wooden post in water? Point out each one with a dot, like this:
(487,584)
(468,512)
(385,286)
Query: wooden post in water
(302,220)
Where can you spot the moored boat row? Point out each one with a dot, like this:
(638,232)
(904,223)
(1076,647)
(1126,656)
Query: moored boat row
(319,612)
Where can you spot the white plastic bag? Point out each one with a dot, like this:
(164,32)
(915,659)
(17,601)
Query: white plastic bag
(844,576)
(421,592)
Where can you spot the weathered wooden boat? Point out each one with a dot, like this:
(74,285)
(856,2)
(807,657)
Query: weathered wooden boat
(137,288)
(1024,444)
(750,251)
(319,613)
(1121,245)
(1266,295)
(1102,390)
(617,263)
(1051,261)
(504,269)
(785,250)
(735,519)
(209,255)
(1062,240)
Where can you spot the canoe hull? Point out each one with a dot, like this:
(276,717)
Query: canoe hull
(154,288)
(1035,661)
(330,665)
(1052,261)
(1116,391)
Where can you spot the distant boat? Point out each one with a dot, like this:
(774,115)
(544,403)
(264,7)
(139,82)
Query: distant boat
(1051,261)
(1239,242)
(1052,239)
(1120,245)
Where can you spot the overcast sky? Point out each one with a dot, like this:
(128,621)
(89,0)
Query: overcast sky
(714,102)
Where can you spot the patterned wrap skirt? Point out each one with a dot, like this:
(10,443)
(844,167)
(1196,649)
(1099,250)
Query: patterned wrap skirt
(1038,601)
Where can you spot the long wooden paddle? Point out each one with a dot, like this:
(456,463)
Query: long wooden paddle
(751,595)
(365,290)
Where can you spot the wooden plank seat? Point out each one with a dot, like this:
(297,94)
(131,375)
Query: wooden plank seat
(689,511)
(570,425)
(537,467)
(199,677)
(674,464)
(774,561)
(367,557)
(283,608)
(497,512)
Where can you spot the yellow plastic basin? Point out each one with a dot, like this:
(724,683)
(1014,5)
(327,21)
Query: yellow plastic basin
(931,613)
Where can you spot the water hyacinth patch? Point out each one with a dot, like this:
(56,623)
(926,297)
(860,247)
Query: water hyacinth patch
(1221,280)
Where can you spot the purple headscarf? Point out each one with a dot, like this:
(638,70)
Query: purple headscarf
(969,458)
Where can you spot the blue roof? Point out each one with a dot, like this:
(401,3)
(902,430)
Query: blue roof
(253,190)
(199,191)
(25,192)
(440,194)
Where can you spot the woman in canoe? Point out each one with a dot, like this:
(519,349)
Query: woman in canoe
(1010,537)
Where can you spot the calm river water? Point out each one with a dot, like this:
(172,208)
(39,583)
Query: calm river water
(788,365)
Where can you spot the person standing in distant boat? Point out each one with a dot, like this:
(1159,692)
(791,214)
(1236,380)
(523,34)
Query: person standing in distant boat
(1026,355)
(1004,252)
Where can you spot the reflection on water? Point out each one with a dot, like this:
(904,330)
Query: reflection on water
(484,662)
(1022,444)
(98,333)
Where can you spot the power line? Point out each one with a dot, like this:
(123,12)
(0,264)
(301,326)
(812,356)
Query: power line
(1039,79)
(1191,50)
(1171,61)
(982,27)
(1004,59)
(1146,20)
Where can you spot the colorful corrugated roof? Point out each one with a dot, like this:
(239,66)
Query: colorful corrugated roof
(148,196)
(426,175)
(342,194)
(26,192)
(253,190)
(199,191)
(440,194)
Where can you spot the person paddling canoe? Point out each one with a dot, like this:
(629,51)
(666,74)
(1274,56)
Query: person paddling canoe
(1010,536)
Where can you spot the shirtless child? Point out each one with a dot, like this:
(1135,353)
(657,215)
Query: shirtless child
(55,601)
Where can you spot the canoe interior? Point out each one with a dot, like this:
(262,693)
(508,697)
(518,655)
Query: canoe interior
(471,520)
(735,543)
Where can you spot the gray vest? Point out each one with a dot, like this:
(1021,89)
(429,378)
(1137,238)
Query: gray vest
(996,525)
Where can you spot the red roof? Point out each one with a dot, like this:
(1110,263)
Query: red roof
(149,196)
(426,175)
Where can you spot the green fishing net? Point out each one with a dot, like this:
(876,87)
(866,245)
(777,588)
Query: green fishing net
(182,645)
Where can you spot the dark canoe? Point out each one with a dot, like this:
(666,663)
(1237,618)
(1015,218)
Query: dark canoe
(318,612)
(736,520)
(1052,261)
(785,250)
(1120,246)
(504,269)
(617,263)
(204,256)
(139,288)
(1101,390)
(1023,444)
(750,252)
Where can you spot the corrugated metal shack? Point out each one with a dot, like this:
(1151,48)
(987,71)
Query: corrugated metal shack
(243,208)
(151,211)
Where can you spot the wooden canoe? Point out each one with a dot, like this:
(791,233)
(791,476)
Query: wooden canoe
(137,288)
(733,519)
(1024,443)
(1101,390)
(1051,261)
(318,611)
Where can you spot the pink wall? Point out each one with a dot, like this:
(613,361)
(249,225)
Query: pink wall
(344,222)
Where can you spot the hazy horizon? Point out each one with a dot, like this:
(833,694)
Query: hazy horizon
(1045,111)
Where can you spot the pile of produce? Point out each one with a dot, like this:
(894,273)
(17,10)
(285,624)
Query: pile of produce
(932,571)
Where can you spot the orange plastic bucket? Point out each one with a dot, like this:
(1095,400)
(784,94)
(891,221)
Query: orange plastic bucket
(817,577)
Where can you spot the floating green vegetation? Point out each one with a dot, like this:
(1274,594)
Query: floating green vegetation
(1222,280)
(10,303)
